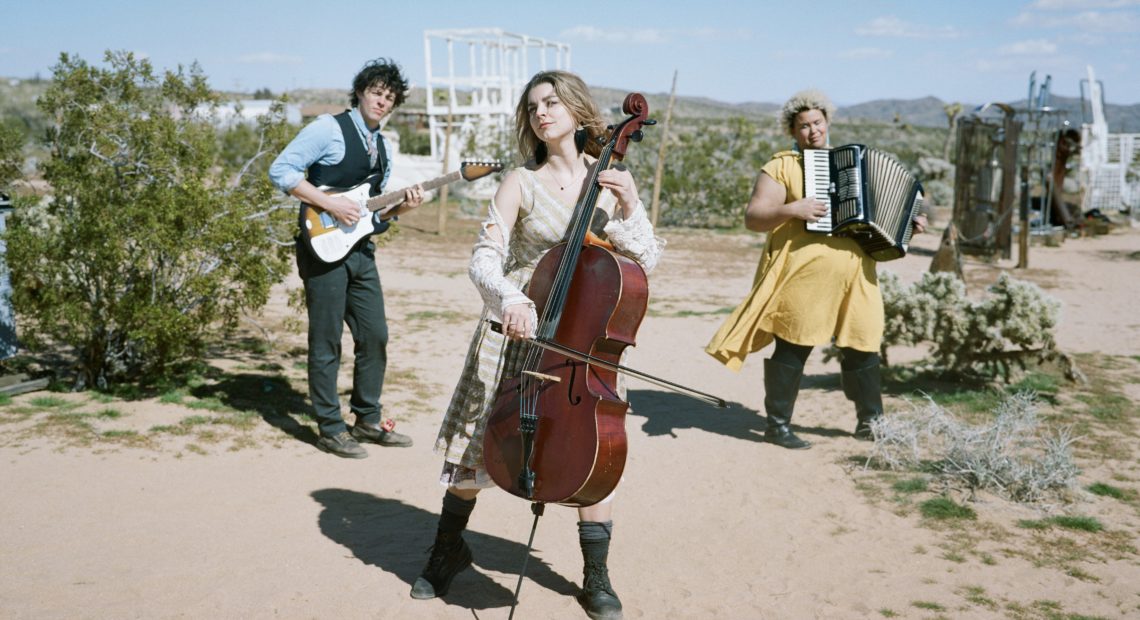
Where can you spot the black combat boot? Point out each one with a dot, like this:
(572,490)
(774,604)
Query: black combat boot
(864,387)
(781,386)
(449,556)
(450,553)
(597,597)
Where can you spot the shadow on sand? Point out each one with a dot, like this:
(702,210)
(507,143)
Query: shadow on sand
(666,412)
(272,397)
(395,537)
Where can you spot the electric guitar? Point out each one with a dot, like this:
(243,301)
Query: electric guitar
(330,240)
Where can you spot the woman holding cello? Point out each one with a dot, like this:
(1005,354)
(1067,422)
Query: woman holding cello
(558,127)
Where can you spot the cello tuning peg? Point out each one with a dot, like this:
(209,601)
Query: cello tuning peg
(648,121)
(636,136)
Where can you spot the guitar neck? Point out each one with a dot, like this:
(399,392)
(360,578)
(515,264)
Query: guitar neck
(396,197)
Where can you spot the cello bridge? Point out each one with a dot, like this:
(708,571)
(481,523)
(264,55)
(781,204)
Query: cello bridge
(542,376)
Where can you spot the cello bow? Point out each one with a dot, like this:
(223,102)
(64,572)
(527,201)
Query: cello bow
(590,359)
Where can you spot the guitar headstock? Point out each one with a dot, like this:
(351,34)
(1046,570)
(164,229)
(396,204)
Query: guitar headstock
(471,170)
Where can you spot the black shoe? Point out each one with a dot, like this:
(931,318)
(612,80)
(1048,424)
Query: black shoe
(782,435)
(381,436)
(863,430)
(343,445)
(597,597)
(449,556)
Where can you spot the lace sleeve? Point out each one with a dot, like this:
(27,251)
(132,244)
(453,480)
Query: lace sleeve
(634,237)
(486,268)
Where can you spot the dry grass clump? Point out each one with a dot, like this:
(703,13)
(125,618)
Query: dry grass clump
(1011,455)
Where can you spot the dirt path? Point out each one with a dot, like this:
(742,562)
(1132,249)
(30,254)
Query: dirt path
(710,522)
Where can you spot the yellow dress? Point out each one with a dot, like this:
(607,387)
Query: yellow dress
(809,288)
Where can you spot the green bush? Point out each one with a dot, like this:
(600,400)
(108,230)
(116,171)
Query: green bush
(11,152)
(151,240)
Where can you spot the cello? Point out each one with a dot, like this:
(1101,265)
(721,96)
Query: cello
(556,433)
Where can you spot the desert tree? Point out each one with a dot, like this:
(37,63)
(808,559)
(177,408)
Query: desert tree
(709,174)
(152,241)
(11,153)
(953,111)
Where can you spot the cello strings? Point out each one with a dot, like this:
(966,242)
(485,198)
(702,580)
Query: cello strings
(529,386)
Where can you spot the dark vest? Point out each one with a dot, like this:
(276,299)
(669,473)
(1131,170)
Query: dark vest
(355,167)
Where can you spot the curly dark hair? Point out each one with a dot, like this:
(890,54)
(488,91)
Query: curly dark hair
(380,72)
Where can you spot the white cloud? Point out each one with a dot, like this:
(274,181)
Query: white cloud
(891,26)
(1087,21)
(866,53)
(1056,5)
(269,58)
(647,36)
(1087,39)
(1032,47)
(591,33)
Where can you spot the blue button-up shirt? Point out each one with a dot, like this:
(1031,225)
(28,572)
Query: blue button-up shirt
(321,142)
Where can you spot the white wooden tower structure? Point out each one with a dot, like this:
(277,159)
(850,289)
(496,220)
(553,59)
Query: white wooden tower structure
(474,78)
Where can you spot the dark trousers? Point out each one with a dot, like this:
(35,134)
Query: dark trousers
(349,292)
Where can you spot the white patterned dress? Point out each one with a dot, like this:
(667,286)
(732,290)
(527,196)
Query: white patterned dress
(541,224)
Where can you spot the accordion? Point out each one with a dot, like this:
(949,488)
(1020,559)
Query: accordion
(870,196)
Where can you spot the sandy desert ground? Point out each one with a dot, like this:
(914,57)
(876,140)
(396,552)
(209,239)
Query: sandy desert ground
(233,521)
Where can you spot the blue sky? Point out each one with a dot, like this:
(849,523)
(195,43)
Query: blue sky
(972,51)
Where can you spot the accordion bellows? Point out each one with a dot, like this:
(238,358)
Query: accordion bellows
(872,198)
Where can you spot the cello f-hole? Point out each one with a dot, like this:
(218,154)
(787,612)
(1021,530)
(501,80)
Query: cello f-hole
(574,400)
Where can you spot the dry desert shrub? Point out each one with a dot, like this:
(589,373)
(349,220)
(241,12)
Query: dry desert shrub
(1011,455)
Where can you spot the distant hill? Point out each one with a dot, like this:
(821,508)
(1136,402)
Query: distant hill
(923,112)
(689,107)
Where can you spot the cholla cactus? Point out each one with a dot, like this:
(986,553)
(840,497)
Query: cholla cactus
(1013,323)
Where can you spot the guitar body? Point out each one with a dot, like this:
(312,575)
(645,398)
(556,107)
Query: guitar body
(329,239)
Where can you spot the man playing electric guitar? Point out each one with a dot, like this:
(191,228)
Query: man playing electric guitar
(342,151)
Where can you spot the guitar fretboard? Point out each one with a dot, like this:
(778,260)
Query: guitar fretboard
(395,197)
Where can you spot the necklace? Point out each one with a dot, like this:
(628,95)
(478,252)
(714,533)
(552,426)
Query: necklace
(563,186)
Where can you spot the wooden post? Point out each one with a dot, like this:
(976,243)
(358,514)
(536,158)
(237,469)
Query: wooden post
(655,208)
(1023,216)
(442,228)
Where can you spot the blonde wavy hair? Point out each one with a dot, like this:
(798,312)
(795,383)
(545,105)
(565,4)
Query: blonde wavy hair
(575,95)
(810,99)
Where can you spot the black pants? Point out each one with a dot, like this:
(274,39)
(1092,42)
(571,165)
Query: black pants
(795,355)
(347,291)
